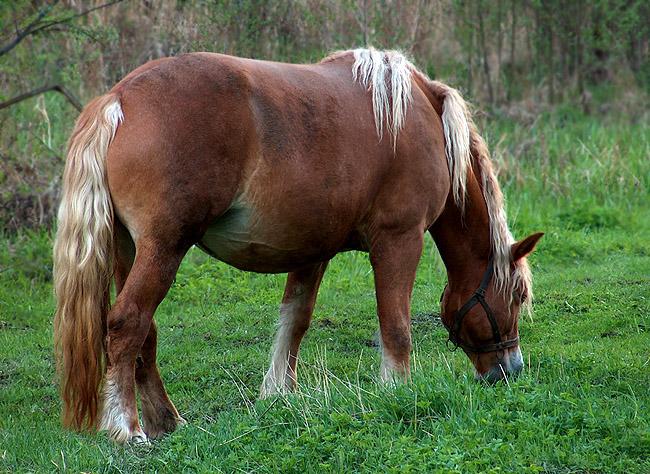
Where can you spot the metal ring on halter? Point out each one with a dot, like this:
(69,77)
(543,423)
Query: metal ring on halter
(451,345)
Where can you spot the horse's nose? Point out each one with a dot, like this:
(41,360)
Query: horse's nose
(515,367)
(509,365)
(496,373)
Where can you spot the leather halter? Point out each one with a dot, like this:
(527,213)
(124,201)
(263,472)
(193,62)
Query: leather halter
(479,298)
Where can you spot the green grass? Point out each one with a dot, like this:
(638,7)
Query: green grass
(582,404)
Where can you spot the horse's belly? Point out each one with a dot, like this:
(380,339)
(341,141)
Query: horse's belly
(241,239)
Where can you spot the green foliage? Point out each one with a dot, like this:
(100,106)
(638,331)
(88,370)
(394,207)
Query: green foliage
(512,48)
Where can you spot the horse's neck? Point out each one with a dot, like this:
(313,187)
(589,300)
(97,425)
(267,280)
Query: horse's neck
(463,237)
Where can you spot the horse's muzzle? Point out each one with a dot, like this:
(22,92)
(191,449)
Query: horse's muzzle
(508,366)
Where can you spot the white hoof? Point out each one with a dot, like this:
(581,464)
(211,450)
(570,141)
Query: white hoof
(138,438)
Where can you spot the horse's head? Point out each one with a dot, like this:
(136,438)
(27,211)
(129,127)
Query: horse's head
(482,315)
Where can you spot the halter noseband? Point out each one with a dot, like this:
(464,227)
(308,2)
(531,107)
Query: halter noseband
(479,298)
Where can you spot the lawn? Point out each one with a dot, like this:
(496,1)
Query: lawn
(581,405)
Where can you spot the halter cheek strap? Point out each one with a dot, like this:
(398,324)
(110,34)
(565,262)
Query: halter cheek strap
(479,298)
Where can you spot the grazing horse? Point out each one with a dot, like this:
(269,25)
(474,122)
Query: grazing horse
(271,168)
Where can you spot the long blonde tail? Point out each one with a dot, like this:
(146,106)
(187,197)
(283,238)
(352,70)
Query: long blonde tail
(83,262)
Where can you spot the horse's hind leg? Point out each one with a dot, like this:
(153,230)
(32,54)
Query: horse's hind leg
(129,323)
(159,415)
(295,316)
(394,260)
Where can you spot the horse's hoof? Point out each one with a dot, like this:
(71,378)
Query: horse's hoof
(162,424)
(139,439)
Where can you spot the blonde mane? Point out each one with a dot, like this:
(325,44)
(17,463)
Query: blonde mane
(374,70)
(370,68)
(387,76)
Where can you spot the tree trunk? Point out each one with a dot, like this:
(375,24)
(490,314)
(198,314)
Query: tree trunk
(550,62)
(499,49)
(482,41)
(513,42)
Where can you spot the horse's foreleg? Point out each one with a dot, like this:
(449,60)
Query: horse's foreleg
(129,323)
(295,316)
(394,260)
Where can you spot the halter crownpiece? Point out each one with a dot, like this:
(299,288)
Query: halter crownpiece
(479,298)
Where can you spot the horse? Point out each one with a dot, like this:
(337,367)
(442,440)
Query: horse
(273,168)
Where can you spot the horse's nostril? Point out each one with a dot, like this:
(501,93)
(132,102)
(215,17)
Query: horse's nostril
(500,371)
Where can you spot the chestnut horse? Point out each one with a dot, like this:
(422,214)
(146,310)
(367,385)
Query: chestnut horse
(273,167)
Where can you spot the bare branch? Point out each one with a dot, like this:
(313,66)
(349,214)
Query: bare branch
(50,24)
(56,87)
(38,25)
(25,32)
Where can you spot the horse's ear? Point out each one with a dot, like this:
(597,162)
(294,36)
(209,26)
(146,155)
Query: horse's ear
(524,247)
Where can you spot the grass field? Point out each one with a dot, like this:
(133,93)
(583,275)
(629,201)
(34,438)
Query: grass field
(582,404)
